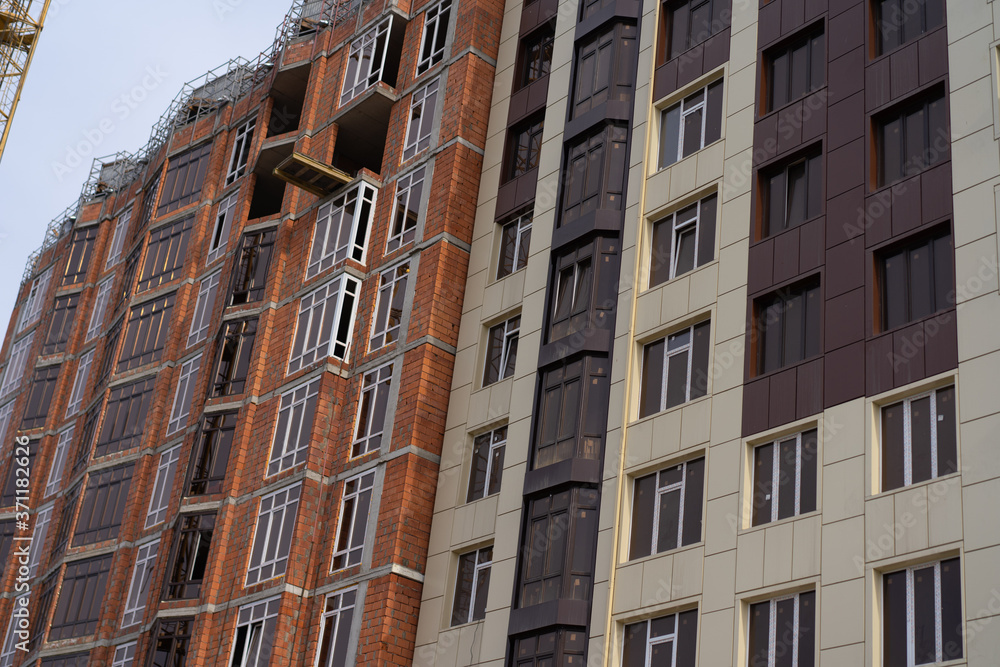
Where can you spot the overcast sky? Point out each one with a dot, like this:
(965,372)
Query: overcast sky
(103,73)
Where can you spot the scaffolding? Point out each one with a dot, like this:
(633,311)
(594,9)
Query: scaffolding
(20,24)
(197,98)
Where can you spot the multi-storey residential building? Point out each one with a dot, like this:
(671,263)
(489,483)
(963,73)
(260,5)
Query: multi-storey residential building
(231,359)
(724,391)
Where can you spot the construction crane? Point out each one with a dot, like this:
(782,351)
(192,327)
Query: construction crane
(20,24)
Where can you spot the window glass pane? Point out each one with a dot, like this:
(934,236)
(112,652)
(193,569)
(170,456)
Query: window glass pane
(763,474)
(921,282)
(692,131)
(760,624)
(892,446)
(890,157)
(779,81)
(924,610)
(943,272)
(694,483)
(634,653)
(652,379)
(775,215)
(797,194)
(677,379)
(659,259)
(787,453)
(643,501)
(706,230)
(951,610)
(713,118)
(670,127)
(784,654)
(920,438)
(807,625)
(807,495)
(669,505)
(685,250)
(894,291)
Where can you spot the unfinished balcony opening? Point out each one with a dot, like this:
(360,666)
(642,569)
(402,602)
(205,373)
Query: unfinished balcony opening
(288,94)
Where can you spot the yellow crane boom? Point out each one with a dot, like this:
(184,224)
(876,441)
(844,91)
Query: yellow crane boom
(20,24)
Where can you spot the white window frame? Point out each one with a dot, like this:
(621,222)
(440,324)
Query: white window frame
(79,384)
(118,239)
(911,613)
(32,308)
(511,333)
(281,514)
(184,394)
(219,239)
(5,413)
(495,444)
(418,137)
(676,486)
(667,354)
(776,473)
(908,432)
(365,433)
(98,313)
(240,155)
(347,234)
(388,284)
(140,581)
(685,111)
(320,308)
(404,191)
(343,612)
(254,617)
(365,50)
(59,461)
(14,371)
(523,223)
(286,446)
(207,291)
(124,655)
(41,530)
(476,573)
(652,641)
(677,228)
(159,499)
(774,630)
(345,550)
(432,27)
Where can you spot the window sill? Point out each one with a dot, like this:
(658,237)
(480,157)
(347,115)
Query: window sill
(787,520)
(653,416)
(671,552)
(927,482)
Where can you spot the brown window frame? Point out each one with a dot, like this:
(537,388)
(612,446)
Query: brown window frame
(184,178)
(189,536)
(165,254)
(571,420)
(146,333)
(125,416)
(535,60)
(81,250)
(174,636)
(81,598)
(106,492)
(524,146)
(604,68)
(234,353)
(61,324)
(213,449)
(40,397)
(251,266)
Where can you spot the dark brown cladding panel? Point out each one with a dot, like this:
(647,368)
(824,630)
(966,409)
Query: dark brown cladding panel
(858,218)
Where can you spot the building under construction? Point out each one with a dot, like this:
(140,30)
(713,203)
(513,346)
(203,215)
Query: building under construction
(232,356)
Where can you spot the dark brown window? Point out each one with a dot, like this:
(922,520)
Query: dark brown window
(784,478)
(148,204)
(146,333)
(61,324)
(916,280)
(80,251)
(165,254)
(192,543)
(125,417)
(675,369)
(922,614)
(524,145)
(6,539)
(104,503)
(250,270)
(171,638)
(487,464)
(515,244)
(233,364)
(787,324)
(472,586)
(918,439)
(666,509)
(110,347)
(81,598)
(43,388)
(128,278)
(691,124)
(73,660)
(687,23)
(555,647)
(900,21)
(580,299)
(211,454)
(559,547)
(595,174)
(683,241)
(66,516)
(795,69)
(40,609)
(786,622)
(792,194)
(666,640)
(605,68)
(571,419)
(536,54)
(912,138)
(185,175)
(501,350)
(10,494)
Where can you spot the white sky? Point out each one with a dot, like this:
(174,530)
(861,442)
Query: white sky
(91,55)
